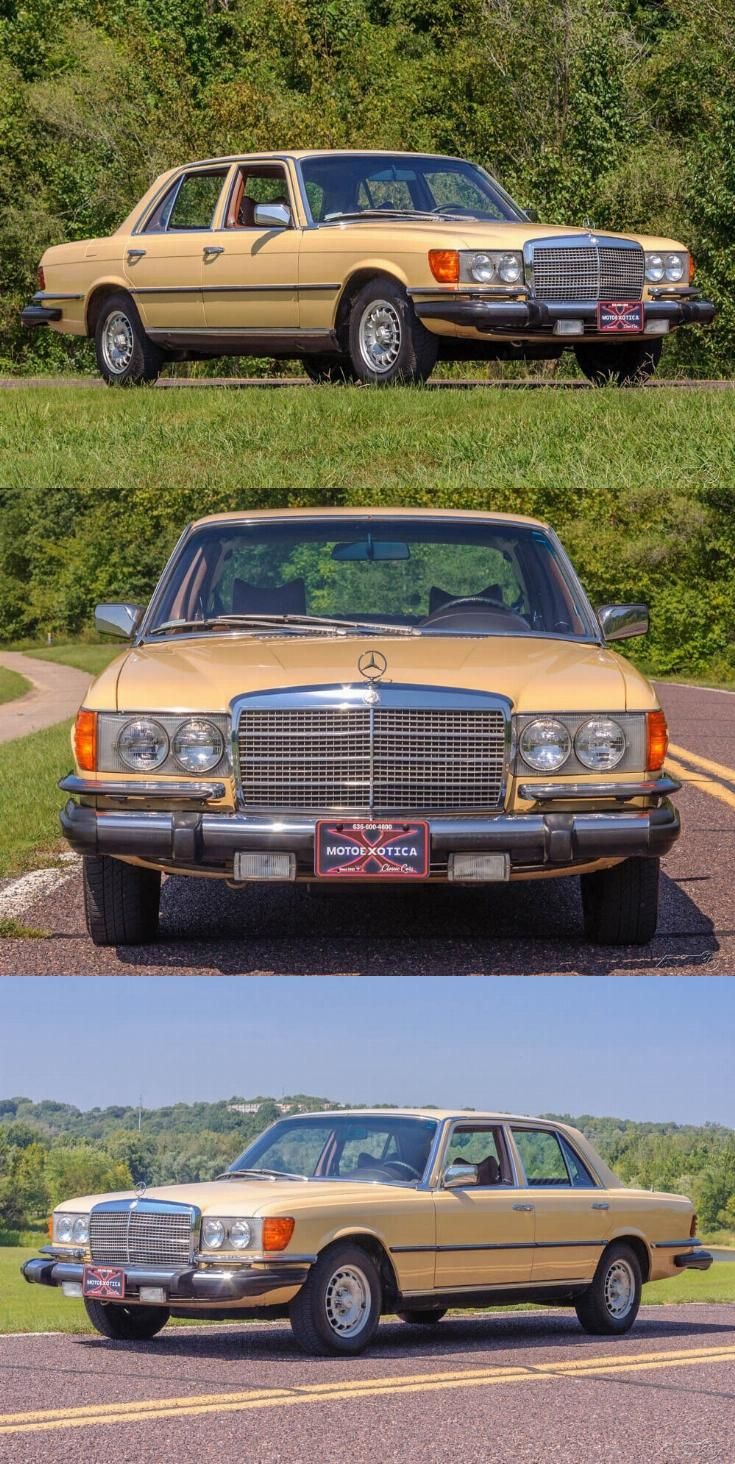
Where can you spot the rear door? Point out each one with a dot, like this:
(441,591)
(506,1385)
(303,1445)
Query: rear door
(572,1211)
(484,1225)
(164,262)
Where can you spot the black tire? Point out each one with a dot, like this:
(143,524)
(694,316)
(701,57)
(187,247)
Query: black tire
(314,1311)
(423,1318)
(413,350)
(336,370)
(596,1308)
(620,905)
(140,359)
(121,901)
(619,365)
(125,1323)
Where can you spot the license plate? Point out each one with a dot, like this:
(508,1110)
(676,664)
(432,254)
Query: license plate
(620,315)
(362,850)
(104,1283)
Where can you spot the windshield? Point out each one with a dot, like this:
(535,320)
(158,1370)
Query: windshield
(409,576)
(343,1146)
(365,183)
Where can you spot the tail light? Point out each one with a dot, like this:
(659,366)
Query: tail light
(277,1232)
(41,278)
(657,740)
(84,740)
(693,1227)
(444,265)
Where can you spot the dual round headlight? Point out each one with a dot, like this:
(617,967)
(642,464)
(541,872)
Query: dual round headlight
(546,744)
(215,1232)
(72,1228)
(144,745)
(486,267)
(665,267)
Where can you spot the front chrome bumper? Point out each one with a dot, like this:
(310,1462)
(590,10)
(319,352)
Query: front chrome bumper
(528,314)
(181,1284)
(207,841)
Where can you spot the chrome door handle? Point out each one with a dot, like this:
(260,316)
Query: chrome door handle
(523,1207)
(135,253)
(601,1205)
(213,249)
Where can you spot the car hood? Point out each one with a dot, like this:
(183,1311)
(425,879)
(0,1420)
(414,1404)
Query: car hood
(204,673)
(467,233)
(249,1197)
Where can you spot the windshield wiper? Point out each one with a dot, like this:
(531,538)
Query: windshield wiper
(286,622)
(271,1174)
(379,213)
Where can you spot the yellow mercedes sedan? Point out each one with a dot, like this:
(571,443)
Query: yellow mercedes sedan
(335,1219)
(358,696)
(367,266)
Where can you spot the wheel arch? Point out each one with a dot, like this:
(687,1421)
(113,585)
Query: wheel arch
(638,1244)
(100,291)
(375,1247)
(361,275)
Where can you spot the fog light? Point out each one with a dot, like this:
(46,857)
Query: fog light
(489,868)
(153,1295)
(265,866)
(71,1288)
(656,327)
(568,327)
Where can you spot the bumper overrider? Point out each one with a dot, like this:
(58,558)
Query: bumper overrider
(181,1283)
(208,840)
(483,314)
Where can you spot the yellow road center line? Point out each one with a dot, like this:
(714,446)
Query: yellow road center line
(144,1410)
(703,785)
(721,769)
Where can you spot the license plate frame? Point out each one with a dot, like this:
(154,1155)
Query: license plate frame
(360,849)
(621,317)
(104,1283)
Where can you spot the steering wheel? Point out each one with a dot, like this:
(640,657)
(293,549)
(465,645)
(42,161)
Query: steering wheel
(404,1171)
(468,600)
(454,208)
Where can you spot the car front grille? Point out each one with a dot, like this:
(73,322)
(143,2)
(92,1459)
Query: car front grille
(141,1237)
(381,760)
(587,272)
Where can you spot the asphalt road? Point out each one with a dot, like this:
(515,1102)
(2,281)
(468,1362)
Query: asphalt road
(530,1388)
(530,928)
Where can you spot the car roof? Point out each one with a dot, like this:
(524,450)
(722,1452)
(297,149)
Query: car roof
(471,1115)
(472,515)
(298,154)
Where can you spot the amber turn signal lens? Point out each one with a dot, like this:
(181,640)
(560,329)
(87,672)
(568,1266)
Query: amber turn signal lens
(657,740)
(693,1227)
(40,276)
(85,740)
(277,1232)
(444,265)
(692,269)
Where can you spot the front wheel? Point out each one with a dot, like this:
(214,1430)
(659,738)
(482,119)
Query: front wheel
(610,1305)
(387,342)
(125,1323)
(619,365)
(121,901)
(620,905)
(125,355)
(337,1310)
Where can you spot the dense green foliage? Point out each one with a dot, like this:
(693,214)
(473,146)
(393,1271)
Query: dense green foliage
(621,111)
(52,1150)
(638,485)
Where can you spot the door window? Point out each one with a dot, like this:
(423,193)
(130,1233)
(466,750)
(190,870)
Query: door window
(481,1149)
(189,204)
(265,183)
(542,1157)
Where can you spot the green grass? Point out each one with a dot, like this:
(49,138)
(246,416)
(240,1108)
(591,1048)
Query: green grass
(12,685)
(397,446)
(82,654)
(43,1309)
(30,800)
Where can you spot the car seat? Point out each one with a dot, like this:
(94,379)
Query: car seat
(288,599)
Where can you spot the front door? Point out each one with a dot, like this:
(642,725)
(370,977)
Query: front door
(484,1225)
(572,1212)
(163,264)
(250,274)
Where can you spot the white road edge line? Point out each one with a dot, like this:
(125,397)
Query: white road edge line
(16,897)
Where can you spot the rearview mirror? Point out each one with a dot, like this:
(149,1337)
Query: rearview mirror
(272,215)
(618,622)
(118,619)
(370,549)
(459,1176)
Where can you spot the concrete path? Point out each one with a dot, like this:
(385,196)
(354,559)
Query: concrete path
(56,693)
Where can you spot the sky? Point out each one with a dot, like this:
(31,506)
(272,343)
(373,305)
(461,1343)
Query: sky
(660,1049)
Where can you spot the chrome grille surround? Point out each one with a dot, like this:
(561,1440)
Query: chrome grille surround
(584,267)
(143,1233)
(413,749)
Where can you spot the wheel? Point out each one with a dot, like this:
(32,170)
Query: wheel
(611,1303)
(125,1323)
(125,355)
(423,1318)
(335,369)
(620,905)
(386,340)
(338,1308)
(621,365)
(121,902)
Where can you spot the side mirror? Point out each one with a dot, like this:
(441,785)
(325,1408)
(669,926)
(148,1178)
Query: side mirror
(118,619)
(618,622)
(272,215)
(459,1176)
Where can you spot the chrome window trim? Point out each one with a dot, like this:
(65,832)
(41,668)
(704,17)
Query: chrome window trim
(571,1188)
(140,1205)
(236,169)
(174,185)
(464,1121)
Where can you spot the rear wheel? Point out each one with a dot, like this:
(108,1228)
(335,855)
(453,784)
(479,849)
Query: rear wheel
(126,1323)
(335,369)
(337,1310)
(423,1318)
(125,355)
(610,1306)
(620,905)
(121,901)
(387,342)
(619,365)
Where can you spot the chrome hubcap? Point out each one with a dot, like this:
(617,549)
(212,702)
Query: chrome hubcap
(118,342)
(619,1289)
(380,336)
(348,1301)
